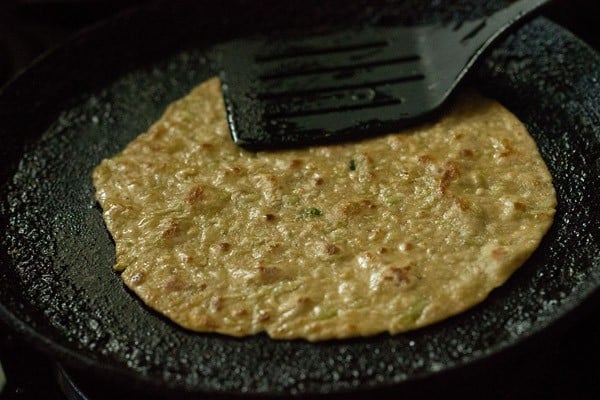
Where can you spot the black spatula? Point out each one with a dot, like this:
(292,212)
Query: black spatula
(290,91)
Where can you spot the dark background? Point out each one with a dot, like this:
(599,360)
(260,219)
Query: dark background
(565,365)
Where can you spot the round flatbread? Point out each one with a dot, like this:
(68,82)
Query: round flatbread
(386,234)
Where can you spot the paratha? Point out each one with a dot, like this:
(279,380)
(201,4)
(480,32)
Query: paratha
(389,234)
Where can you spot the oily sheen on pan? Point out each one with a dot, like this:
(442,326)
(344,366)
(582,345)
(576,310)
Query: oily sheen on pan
(386,234)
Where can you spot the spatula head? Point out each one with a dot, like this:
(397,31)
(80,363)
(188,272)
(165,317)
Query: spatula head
(328,87)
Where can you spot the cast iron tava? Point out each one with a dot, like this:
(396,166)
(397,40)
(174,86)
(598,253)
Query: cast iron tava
(88,99)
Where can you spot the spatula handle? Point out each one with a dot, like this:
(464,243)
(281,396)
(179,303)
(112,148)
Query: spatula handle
(496,24)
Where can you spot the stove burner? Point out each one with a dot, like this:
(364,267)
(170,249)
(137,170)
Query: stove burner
(2,379)
(68,386)
(80,385)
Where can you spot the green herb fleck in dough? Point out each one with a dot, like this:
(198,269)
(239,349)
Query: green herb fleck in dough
(352,165)
(311,212)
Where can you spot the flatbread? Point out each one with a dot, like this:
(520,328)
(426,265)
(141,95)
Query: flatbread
(386,234)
